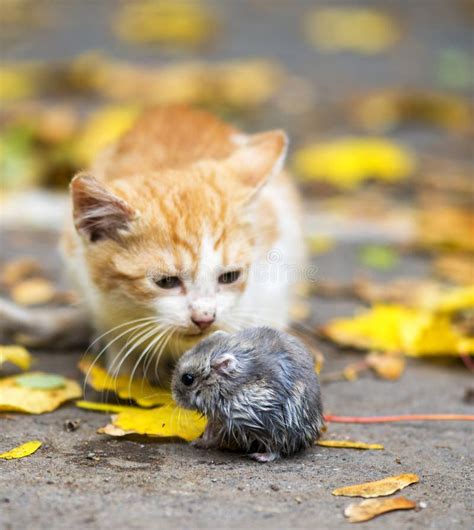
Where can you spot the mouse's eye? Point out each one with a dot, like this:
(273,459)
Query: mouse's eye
(187,379)
(229,277)
(168,282)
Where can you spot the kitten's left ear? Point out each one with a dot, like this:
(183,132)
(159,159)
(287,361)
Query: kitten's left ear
(225,363)
(258,157)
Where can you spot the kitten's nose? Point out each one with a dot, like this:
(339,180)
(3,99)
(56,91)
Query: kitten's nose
(204,320)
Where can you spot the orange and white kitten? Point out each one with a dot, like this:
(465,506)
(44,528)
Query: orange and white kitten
(183,226)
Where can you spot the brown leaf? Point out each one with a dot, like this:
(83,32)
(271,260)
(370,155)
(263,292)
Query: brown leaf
(458,268)
(33,291)
(378,488)
(18,270)
(366,510)
(387,366)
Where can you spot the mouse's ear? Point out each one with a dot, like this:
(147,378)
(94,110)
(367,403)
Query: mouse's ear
(224,363)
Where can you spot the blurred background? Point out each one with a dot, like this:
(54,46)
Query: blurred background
(376,98)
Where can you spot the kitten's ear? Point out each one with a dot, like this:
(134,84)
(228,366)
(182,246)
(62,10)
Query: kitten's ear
(225,363)
(258,157)
(98,214)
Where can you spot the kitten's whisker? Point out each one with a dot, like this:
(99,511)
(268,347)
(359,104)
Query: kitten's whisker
(131,343)
(143,355)
(159,354)
(143,338)
(99,355)
(116,327)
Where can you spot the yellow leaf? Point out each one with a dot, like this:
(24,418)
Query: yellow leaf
(21,451)
(165,21)
(17,82)
(16,355)
(370,508)
(378,488)
(348,162)
(348,444)
(394,328)
(166,421)
(357,29)
(33,291)
(455,300)
(140,390)
(103,407)
(319,244)
(386,366)
(102,128)
(14,397)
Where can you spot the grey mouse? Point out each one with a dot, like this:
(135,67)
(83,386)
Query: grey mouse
(258,389)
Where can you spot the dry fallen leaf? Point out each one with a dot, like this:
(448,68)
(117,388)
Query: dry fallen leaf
(238,84)
(140,390)
(446,228)
(370,508)
(14,397)
(458,268)
(165,22)
(395,328)
(300,310)
(348,162)
(348,444)
(383,110)
(33,291)
(18,270)
(167,421)
(378,488)
(21,451)
(357,29)
(17,355)
(387,366)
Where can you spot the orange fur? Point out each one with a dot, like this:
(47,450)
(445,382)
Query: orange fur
(178,178)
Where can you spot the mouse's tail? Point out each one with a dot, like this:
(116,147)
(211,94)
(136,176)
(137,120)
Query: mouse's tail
(58,327)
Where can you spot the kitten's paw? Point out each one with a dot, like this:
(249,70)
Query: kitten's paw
(264,457)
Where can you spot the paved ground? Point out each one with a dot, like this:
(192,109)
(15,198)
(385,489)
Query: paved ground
(85,480)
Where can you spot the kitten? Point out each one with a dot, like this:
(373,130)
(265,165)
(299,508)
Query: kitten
(184,226)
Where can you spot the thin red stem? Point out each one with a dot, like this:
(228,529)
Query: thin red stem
(404,417)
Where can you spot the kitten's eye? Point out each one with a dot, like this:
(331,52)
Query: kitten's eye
(187,379)
(229,277)
(168,282)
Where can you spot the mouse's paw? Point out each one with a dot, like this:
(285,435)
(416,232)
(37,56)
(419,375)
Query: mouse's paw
(205,443)
(264,457)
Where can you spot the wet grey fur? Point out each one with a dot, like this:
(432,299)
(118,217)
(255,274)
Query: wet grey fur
(258,389)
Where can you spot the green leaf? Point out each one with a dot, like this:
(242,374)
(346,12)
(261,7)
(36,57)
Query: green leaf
(378,257)
(40,381)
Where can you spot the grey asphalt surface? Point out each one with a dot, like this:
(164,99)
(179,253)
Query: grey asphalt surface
(83,480)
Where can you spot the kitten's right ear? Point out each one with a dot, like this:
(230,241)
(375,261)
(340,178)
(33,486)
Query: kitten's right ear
(98,214)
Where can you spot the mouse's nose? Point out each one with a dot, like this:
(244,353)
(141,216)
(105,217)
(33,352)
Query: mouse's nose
(203,321)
